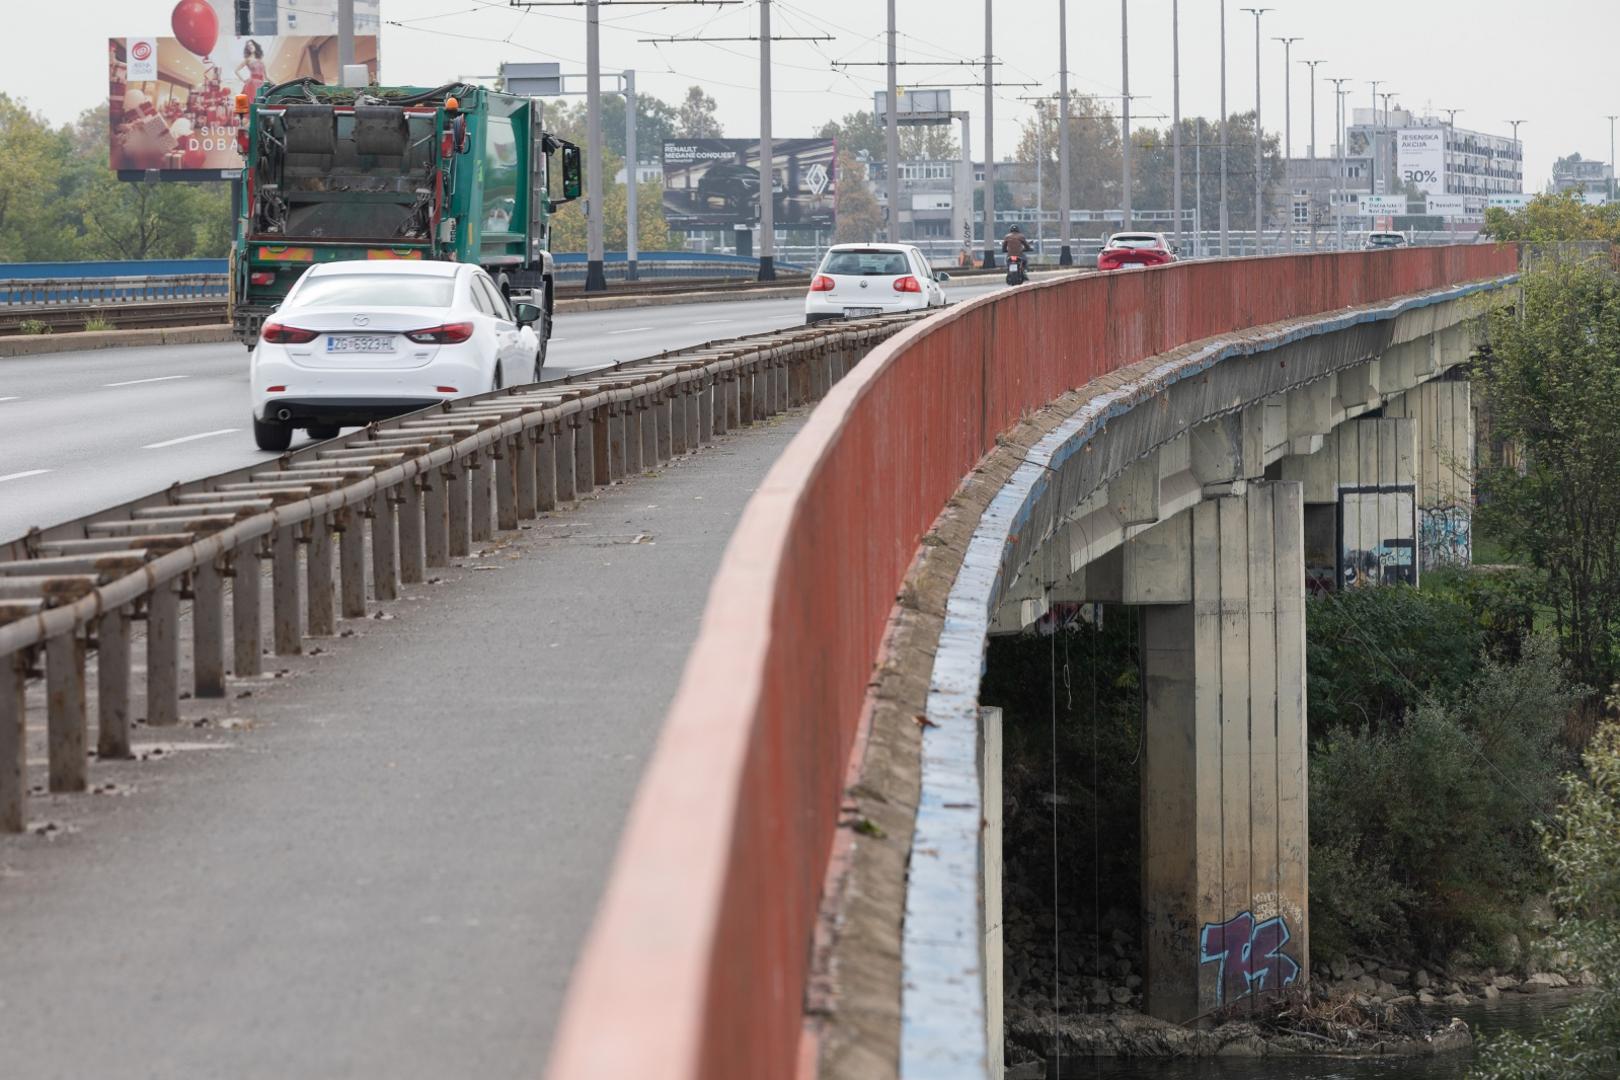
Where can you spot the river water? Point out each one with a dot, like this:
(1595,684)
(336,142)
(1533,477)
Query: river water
(1520,1013)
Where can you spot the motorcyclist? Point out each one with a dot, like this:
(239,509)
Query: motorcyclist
(1014,242)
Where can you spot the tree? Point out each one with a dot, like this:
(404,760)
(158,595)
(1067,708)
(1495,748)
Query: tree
(696,116)
(1552,383)
(1583,846)
(859,216)
(1550,219)
(656,122)
(863,133)
(652,231)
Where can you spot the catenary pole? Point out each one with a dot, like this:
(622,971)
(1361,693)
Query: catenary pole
(767,152)
(595,277)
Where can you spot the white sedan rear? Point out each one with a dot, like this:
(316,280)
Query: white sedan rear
(857,280)
(357,341)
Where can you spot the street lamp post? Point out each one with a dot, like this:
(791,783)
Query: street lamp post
(1065,227)
(1518,148)
(1374,179)
(1339,93)
(1125,106)
(1611,156)
(1288,137)
(1312,65)
(1259,140)
(1225,249)
(1175,112)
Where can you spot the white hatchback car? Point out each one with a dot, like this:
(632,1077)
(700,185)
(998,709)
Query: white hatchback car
(355,342)
(855,280)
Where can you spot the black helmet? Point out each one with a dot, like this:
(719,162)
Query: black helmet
(1016,229)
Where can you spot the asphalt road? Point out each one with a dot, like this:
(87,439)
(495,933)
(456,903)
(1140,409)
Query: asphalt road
(80,431)
(380,858)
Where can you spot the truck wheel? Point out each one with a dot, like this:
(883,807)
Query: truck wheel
(271,436)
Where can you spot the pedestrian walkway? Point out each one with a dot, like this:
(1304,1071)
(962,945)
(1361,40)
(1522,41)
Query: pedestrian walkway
(381,858)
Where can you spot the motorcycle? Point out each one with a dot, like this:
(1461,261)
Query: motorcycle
(1017,269)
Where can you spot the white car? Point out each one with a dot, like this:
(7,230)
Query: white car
(356,341)
(855,280)
(1378,241)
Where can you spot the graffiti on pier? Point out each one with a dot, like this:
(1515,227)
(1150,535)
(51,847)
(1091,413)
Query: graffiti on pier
(1378,536)
(1445,536)
(1251,955)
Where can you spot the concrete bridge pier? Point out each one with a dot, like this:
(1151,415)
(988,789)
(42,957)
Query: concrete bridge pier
(1224,802)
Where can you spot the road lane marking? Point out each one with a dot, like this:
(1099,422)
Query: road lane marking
(713,322)
(23,475)
(632,330)
(189,438)
(137,382)
(11,398)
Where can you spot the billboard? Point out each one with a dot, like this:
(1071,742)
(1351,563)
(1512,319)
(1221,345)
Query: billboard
(716,183)
(1421,159)
(171,100)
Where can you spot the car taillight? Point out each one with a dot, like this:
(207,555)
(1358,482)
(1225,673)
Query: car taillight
(823,283)
(448,334)
(907,284)
(277,334)
(262,277)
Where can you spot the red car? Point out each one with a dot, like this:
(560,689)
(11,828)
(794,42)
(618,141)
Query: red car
(1136,249)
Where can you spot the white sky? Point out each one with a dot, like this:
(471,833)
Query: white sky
(1549,63)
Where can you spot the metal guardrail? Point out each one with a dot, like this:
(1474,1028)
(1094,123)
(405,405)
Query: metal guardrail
(421,488)
(96,292)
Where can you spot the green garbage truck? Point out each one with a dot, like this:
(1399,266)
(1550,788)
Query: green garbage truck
(456,173)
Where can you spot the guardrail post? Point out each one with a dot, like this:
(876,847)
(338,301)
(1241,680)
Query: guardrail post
(505,488)
(522,453)
(601,466)
(207,631)
(483,523)
(647,406)
(352,562)
(284,602)
(318,571)
(562,440)
(632,435)
(798,377)
(436,517)
(457,495)
(384,559)
(733,399)
(411,560)
(163,656)
(615,440)
(692,398)
(545,469)
(584,453)
(745,393)
(762,387)
(64,712)
(245,596)
(112,685)
(780,368)
(705,408)
(663,410)
(13,741)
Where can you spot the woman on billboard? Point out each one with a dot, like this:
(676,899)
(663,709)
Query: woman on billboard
(251,69)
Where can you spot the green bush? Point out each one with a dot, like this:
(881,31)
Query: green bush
(33,327)
(1503,603)
(1583,847)
(1374,654)
(1422,831)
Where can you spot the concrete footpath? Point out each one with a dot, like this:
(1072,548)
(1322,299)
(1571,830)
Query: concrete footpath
(380,859)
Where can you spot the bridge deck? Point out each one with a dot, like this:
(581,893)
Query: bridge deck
(388,864)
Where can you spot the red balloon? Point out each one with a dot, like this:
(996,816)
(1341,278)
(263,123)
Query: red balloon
(195,25)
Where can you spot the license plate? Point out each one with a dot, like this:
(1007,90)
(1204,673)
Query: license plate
(359,343)
(860,312)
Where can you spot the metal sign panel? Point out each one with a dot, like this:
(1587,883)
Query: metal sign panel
(919,104)
(1447,206)
(1510,201)
(532,79)
(1421,159)
(1383,205)
(715,183)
